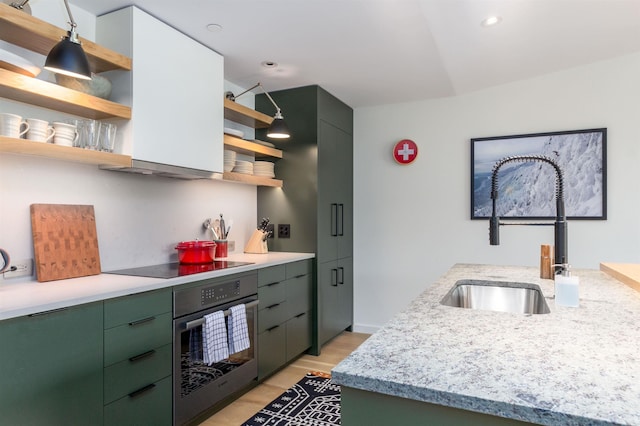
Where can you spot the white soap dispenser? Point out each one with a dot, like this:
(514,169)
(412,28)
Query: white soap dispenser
(567,293)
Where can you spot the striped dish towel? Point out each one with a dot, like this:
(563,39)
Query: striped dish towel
(238,330)
(214,338)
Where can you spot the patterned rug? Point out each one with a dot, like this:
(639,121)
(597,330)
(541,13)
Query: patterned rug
(313,401)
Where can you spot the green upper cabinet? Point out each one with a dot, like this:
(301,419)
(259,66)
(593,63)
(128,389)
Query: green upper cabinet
(51,368)
(317,196)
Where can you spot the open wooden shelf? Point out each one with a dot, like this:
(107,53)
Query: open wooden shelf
(252,180)
(245,115)
(66,153)
(31,33)
(52,96)
(242,146)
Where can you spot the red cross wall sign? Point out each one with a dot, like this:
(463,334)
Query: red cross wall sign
(405,151)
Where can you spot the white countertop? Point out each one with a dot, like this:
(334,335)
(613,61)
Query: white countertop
(573,366)
(26,298)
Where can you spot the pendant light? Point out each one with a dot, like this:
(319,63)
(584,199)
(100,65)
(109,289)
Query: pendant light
(278,128)
(67,57)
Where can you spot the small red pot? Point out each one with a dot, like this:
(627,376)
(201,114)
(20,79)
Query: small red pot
(196,251)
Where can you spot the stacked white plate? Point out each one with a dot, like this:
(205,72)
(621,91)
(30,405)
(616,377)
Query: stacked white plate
(263,168)
(229,160)
(245,167)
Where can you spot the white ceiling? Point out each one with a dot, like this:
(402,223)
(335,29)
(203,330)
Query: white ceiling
(371,52)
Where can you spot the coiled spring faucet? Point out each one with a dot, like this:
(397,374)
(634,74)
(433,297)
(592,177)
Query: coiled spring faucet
(561,258)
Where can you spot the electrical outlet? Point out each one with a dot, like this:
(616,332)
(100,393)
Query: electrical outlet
(270,230)
(231,246)
(284,231)
(21,268)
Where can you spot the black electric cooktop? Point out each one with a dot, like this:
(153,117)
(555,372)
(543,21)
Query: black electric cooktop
(173,270)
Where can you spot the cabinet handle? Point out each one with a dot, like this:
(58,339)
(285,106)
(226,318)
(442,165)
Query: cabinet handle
(272,328)
(52,311)
(141,321)
(272,284)
(301,315)
(273,306)
(334,277)
(142,390)
(341,275)
(334,220)
(300,276)
(340,226)
(142,356)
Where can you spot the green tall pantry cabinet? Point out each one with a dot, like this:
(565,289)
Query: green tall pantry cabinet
(316,198)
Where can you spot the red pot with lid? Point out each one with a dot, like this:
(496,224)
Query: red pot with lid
(196,251)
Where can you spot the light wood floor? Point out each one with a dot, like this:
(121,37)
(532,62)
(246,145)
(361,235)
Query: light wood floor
(254,400)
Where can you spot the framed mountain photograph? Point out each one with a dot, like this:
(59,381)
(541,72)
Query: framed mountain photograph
(527,190)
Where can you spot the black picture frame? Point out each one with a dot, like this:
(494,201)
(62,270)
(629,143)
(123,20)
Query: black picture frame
(525,190)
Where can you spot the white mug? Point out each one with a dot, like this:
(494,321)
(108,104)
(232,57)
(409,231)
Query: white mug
(39,130)
(11,125)
(66,134)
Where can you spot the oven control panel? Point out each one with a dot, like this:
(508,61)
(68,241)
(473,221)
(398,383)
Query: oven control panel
(203,294)
(220,292)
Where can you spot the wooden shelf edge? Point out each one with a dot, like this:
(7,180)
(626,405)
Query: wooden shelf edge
(251,180)
(66,153)
(42,93)
(39,36)
(246,116)
(248,147)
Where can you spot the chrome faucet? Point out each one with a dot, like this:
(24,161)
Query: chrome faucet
(561,258)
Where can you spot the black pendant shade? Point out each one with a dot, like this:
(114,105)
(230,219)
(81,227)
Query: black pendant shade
(278,128)
(67,57)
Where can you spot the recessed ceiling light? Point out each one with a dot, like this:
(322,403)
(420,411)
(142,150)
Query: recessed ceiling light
(491,21)
(269,64)
(214,28)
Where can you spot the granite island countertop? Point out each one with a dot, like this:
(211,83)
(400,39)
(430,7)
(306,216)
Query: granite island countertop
(572,366)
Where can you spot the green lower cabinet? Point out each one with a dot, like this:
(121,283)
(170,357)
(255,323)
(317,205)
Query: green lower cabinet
(298,335)
(271,350)
(358,407)
(51,368)
(149,406)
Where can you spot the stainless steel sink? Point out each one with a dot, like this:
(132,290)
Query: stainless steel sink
(502,296)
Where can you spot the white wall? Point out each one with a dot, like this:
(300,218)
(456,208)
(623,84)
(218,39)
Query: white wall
(139,218)
(412,222)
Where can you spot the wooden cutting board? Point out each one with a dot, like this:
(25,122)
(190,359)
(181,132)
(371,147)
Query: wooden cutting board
(628,273)
(65,241)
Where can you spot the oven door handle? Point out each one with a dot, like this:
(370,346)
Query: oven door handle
(200,321)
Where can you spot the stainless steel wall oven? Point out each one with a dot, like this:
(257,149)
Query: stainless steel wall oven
(197,385)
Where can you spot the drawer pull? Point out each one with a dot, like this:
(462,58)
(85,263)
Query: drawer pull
(272,284)
(141,321)
(142,390)
(300,315)
(52,311)
(142,355)
(273,306)
(273,328)
(300,276)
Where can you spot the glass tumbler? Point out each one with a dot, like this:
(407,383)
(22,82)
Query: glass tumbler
(107,137)
(90,134)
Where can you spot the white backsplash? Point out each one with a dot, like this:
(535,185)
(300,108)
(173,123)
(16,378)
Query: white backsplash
(139,218)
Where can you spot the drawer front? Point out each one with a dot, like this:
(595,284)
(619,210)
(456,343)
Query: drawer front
(128,340)
(270,275)
(299,295)
(298,335)
(151,406)
(271,317)
(124,377)
(124,310)
(272,293)
(296,269)
(271,351)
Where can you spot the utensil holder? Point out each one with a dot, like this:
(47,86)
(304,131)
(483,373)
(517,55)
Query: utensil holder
(257,243)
